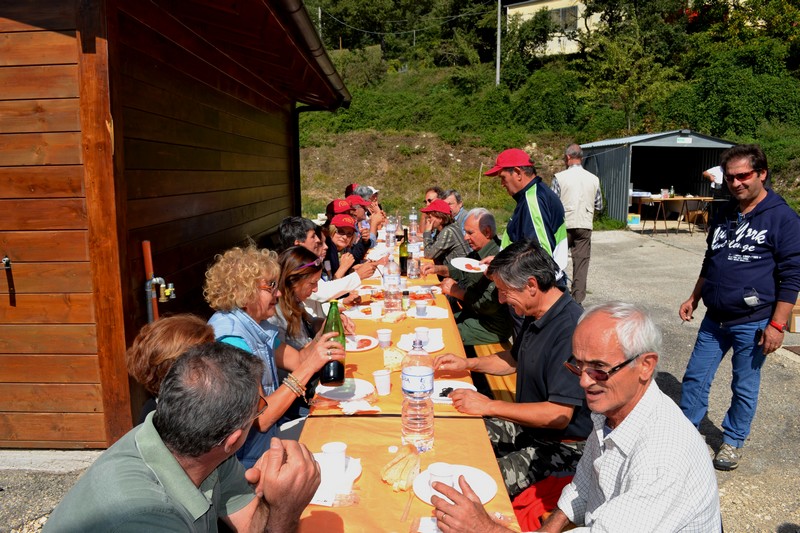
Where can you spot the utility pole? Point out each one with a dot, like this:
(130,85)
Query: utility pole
(319,21)
(499,21)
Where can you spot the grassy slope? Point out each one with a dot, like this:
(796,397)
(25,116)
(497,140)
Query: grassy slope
(403,165)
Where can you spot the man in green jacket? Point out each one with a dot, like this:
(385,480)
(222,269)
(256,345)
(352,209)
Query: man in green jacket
(481,319)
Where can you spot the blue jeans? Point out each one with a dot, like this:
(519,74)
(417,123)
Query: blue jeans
(713,341)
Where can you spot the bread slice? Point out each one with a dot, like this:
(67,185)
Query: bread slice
(393,317)
(401,470)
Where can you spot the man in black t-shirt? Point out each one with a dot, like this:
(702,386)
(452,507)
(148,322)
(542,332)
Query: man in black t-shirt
(542,433)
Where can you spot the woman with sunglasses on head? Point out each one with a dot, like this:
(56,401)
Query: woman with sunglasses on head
(242,287)
(301,271)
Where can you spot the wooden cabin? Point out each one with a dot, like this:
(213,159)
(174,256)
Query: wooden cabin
(173,121)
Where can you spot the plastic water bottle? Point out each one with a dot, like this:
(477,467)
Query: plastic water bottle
(417,380)
(392,293)
(413,224)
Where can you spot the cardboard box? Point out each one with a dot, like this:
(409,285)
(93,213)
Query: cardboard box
(794,320)
(634,219)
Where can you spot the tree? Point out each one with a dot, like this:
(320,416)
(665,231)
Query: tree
(621,74)
(523,46)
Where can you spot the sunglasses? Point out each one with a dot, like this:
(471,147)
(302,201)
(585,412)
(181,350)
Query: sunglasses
(429,200)
(262,406)
(317,262)
(268,286)
(346,232)
(596,374)
(742,176)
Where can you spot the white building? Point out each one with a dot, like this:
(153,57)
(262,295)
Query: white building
(567,14)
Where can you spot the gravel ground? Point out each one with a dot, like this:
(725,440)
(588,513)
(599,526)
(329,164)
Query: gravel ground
(658,272)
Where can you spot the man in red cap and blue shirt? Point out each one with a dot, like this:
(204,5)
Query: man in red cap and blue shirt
(539,215)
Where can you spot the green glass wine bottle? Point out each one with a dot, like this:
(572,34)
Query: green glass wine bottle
(332,373)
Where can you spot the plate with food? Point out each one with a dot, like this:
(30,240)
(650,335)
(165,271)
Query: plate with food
(359,343)
(362,312)
(466,264)
(424,289)
(351,389)
(482,483)
(443,387)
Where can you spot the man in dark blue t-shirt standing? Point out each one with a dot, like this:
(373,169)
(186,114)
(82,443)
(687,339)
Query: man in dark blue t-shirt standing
(542,432)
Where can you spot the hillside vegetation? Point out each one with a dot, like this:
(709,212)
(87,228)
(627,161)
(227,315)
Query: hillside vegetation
(420,116)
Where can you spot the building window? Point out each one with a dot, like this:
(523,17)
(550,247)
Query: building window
(565,18)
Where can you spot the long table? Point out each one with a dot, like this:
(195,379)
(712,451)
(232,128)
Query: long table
(362,364)
(459,439)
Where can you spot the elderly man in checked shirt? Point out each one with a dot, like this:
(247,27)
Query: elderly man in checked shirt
(645,467)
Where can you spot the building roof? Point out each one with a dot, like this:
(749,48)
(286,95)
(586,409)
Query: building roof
(683,138)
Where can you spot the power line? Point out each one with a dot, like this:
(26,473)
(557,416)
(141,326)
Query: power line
(443,19)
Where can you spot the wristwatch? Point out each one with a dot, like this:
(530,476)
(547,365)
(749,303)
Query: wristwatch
(777,325)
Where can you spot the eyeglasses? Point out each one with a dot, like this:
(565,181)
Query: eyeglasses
(742,176)
(348,233)
(317,262)
(268,286)
(596,374)
(262,406)
(429,200)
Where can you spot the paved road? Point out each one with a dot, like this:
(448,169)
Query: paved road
(763,494)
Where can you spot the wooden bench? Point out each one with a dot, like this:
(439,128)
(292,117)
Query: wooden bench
(503,387)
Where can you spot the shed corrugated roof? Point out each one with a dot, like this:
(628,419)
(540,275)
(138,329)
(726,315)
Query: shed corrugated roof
(685,138)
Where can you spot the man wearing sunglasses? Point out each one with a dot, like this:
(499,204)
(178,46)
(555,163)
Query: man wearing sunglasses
(644,468)
(749,283)
(177,470)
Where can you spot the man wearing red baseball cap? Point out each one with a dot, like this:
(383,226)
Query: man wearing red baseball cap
(539,215)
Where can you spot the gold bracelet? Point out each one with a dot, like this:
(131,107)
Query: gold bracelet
(296,382)
(292,387)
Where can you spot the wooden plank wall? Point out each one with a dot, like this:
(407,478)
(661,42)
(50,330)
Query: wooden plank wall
(50,391)
(206,155)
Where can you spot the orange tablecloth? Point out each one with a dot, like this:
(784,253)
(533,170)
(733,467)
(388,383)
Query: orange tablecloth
(457,441)
(362,364)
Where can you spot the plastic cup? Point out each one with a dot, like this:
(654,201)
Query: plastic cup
(334,461)
(377,309)
(383,381)
(384,337)
(422,307)
(422,334)
(441,472)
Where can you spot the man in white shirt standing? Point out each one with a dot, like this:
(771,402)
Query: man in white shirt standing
(579,191)
(644,468)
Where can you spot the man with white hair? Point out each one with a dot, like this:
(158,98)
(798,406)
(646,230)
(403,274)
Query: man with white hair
(480,317)
(645,467)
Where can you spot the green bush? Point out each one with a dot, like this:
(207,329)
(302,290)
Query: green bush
(548,100)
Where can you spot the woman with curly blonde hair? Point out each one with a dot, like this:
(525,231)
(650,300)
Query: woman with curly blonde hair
(242,287)
(157,346)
